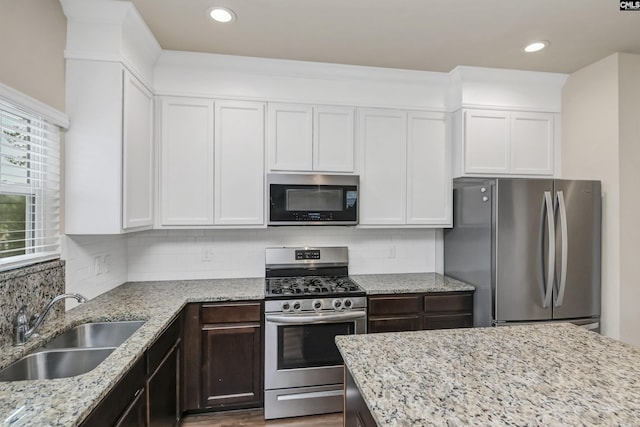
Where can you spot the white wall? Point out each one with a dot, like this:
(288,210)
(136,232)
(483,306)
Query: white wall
(590,151)
(629,104)
(203,254)
(601,140)
(33,61)
(82,276)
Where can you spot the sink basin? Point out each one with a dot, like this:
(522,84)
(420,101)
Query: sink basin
(55,364)
(92,335)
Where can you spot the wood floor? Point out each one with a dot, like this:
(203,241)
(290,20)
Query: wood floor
(255,418)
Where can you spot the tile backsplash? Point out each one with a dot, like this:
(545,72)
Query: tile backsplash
(33,286)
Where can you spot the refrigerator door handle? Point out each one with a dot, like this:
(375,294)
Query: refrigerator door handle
(562,209)
(551,260)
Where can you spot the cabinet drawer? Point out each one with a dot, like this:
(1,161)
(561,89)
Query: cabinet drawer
(230,313)
(448,321)
(394,305)
(459,301)
(394,324)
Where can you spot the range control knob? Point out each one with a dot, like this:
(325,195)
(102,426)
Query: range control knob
(286,306)
(337,304)
(347,303)
(296,306)
(317,305)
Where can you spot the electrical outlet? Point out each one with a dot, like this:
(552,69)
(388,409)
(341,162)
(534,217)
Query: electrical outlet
(206,255)
(97,265)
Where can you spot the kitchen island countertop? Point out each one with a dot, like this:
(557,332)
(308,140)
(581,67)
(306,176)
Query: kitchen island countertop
(535,375)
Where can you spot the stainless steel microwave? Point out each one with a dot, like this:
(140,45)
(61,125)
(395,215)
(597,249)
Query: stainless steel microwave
(297,199)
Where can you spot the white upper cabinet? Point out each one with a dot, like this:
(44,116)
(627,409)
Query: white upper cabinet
(429,188)
(239,163)
(108,150)
(404,173)
(333,136)
(496,142)
(383,175)
(290,137)
(186,162)
(212,163)
(486,144)
(310,138)
(532,143)
(137,138)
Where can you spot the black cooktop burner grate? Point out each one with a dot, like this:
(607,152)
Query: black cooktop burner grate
(312,286)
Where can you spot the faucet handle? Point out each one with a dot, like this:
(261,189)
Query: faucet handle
(21,317)
(21,327)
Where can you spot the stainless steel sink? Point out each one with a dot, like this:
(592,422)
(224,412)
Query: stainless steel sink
(55,364)
(92,335)
(74,352)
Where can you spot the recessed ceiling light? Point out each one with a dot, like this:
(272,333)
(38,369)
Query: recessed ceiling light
(222,14)
(536,46)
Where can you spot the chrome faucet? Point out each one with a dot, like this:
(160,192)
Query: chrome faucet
(25,328)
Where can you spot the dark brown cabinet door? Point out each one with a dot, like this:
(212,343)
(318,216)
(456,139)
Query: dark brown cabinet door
(231,368)
(163,391)
(394,324)
(135,414)
(412,312)
(356,412)
(223,363)
(123,403)
(394,313)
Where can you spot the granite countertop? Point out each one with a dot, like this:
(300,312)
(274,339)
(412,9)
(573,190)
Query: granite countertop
(67,401)
(409,283)
(536,375)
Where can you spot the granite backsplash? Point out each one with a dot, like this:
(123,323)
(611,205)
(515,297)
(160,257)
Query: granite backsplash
(33,286)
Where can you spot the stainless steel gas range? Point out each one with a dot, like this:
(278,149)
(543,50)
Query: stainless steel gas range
(309,300)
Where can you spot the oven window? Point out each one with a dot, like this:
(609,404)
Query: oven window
(314,199)
(305,346)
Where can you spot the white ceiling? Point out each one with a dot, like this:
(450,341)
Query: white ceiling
(431,35)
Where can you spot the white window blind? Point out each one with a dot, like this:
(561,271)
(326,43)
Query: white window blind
(29,187)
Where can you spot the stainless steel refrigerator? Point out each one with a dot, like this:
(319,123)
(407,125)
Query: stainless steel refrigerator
(531,247)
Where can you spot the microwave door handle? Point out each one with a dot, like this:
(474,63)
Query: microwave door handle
(314,318)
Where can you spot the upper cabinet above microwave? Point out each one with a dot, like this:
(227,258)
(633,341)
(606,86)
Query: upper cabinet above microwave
(309,138)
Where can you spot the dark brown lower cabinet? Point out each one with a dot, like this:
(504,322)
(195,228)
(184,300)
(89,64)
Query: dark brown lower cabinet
(413,312)
(223,366)
(231,356)
(148,394)
(356,412)
(136,413)
(163,377)
(125,405)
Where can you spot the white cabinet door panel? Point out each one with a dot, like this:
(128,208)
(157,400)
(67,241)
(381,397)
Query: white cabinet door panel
(186,184)
(428,175)
(137,135)
(532,143)
(290,140)
(333,139)
(383,141)
(486,140)
(239,163)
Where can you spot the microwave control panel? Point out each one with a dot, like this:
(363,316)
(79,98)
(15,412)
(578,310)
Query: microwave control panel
(304,254)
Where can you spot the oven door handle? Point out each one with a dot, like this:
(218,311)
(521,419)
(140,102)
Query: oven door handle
(315,318)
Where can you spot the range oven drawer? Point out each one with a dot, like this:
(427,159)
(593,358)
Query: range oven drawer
(295,402)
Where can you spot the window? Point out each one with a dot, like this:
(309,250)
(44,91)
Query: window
(29,186)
